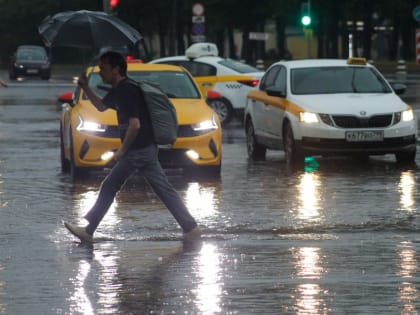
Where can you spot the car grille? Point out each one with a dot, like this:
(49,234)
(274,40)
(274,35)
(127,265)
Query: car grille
(184,131)
(376,121)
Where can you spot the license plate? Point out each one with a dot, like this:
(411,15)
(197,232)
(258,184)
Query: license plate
(364,135)
(32,71)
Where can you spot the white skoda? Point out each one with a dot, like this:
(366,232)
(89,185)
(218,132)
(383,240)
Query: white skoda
(329,107)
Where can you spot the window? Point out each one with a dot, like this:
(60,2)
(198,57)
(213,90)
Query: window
(328,80)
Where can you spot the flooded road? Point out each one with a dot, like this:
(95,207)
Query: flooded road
(336,237)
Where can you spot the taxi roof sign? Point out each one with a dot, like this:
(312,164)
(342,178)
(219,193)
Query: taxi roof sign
(201,49)
(357,61)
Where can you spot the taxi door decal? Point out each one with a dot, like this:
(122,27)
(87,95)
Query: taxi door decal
(275,101)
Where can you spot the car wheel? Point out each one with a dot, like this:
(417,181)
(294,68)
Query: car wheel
(292,153)
(75,172)
(65,164)
(223,108)
(255,150)
(406,157)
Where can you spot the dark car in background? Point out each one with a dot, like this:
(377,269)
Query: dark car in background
(30,60)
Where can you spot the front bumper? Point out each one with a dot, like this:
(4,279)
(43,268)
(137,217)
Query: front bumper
(203,150)
(323,139)
(341,146)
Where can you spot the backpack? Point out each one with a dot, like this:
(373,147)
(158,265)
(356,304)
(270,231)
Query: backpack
(162,113)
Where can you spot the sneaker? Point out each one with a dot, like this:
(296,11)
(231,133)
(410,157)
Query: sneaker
(79,232)
(194,234)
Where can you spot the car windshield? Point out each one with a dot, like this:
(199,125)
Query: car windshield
(31,54)
(238,66)
(174,84)
(330,80)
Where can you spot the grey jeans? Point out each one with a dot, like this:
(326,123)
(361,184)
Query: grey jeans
(144,161)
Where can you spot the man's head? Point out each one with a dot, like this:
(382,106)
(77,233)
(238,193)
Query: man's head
(112,67)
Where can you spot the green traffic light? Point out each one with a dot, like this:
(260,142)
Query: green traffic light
(306,20)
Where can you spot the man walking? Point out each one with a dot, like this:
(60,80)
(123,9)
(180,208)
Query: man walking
(138,152)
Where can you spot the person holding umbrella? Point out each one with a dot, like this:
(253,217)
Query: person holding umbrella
(138,152)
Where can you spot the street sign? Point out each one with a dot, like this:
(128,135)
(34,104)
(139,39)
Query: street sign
(416,13)
(198,19)
(198,9)
(198,29)
(258,36)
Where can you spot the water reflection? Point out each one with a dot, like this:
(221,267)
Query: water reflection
(309,197)
(209,289)
(201,201)
(406,188)
(308,266)
(408,267)
(79,301)
(2,294)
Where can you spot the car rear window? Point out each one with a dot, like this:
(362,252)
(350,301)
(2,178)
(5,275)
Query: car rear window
(174,84)
(330,80)
(238,66)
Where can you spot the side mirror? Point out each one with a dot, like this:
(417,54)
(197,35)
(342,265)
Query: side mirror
(399,88)
(272,91)
(66,97)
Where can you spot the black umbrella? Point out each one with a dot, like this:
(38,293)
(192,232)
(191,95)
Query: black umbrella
(87,29)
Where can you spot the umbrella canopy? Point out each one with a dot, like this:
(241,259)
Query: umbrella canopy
(87,29)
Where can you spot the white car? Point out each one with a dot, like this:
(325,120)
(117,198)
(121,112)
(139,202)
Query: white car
(231,78)
(329,107)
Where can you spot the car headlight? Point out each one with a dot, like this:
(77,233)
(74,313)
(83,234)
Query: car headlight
(308,118)
(205,125)
(89,126)
(407,115)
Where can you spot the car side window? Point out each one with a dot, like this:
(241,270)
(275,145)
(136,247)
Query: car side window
(269,78)
(280,81)
(199,69)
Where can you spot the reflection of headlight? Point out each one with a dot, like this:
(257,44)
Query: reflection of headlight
(407,115)
(89,126)
(308,118)
(205,125)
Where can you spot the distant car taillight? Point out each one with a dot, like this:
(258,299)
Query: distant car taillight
(251,83)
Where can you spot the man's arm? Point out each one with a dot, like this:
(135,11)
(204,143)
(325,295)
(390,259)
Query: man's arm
(93,97)
(131,134)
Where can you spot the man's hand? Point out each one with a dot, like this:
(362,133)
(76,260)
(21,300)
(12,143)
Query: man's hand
(2,83)
(118,155)
(82,81)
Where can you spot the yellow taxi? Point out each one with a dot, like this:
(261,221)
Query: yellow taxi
(89,137)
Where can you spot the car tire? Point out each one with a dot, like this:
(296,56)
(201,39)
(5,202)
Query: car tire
(293,154)
(255,150)
(406,156)
(223,108)
(65,164)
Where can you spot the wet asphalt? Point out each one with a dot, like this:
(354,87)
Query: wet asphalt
(340,237)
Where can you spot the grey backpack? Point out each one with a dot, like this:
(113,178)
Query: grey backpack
(162,113)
